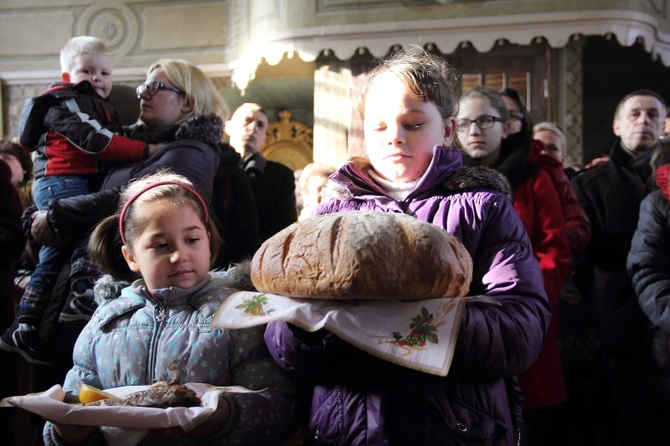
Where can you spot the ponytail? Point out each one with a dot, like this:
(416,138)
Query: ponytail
(104,247)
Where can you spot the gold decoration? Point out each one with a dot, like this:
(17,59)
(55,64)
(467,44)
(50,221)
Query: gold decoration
(289,142)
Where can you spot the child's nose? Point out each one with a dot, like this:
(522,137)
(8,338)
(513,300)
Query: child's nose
(474,129)
(177,255)
(396,135)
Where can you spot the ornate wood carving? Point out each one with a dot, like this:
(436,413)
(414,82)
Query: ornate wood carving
(289,142)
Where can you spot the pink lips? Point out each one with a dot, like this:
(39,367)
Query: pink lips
(180,273)
(396,157)
(475,143)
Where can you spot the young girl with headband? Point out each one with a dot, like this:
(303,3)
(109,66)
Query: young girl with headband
(169,241)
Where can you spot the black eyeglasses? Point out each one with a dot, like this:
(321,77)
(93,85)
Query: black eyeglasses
(483,122)
(154,87)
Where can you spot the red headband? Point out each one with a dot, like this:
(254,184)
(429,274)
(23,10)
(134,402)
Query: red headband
(124,210)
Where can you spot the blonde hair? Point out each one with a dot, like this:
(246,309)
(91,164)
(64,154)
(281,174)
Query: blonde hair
(80,45)
(553,128)
(195,85)
(312,170)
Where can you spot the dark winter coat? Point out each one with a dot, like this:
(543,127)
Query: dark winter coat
(274,192)
(12,244)
(193,154)
(362,400)
(73,129)
(234,206)
(611,194)
(649,269)
(649,259)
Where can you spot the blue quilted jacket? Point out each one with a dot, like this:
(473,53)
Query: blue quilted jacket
(132,338)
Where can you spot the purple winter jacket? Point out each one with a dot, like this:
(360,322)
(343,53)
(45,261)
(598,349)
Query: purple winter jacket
(359,399)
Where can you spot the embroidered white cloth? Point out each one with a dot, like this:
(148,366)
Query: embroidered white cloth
(418,334)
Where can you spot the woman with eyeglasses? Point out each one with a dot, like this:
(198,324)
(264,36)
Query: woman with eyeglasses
(578,228)
(178,105)
(516,109)
(577,223)
(483,127)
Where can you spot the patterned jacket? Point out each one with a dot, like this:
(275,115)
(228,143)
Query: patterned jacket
(132,338)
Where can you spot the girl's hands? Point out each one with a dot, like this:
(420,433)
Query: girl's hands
(210,425)
(73,434)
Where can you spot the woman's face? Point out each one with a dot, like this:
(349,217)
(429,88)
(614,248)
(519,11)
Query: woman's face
(165,107)
(401,131)
(16,168)
(515,115)
(481,144)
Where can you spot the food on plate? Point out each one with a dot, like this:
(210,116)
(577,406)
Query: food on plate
(89,394)
(362,255)
(161,394)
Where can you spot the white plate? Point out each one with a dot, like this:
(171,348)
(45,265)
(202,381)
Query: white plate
(50,405)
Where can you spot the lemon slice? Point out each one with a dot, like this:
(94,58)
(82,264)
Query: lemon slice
(89,394)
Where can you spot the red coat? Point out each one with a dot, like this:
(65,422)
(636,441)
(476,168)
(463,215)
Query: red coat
(577,224)
(537,203)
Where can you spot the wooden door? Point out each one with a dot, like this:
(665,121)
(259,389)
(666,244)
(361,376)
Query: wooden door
(524,68)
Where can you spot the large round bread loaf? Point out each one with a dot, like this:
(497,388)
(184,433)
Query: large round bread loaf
(362,255)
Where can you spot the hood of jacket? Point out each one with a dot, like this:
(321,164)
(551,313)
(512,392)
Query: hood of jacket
(237,276)
(446,171)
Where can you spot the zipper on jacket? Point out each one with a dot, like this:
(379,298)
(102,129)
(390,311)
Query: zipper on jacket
(160,315)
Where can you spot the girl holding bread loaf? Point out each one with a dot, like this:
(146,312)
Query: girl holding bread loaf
(412,166)
(140,328)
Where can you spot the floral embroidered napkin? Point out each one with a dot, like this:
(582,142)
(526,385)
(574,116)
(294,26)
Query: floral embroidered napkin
(419,334)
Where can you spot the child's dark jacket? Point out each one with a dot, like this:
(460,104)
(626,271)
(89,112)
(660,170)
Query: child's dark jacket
(74,131)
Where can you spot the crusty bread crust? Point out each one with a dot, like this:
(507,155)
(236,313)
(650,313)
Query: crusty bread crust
(362,255)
